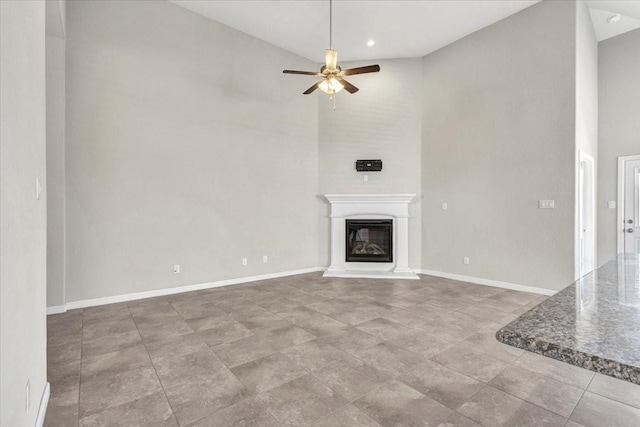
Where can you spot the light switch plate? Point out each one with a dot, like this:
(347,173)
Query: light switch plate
(546,204)
(445,206)
(612,204)
(38,188)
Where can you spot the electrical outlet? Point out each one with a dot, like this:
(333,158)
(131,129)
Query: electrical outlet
(365,178)
(265,259)
(465,260)
(176,268)
(244,261)
(546,204)
(612,204)
(27,397)
(445,206)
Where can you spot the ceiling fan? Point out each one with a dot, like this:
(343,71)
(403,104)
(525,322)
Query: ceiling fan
(332,75)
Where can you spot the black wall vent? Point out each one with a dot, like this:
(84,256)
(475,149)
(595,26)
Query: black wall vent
(368,165)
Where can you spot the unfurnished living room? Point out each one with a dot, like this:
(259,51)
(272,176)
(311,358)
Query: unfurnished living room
(320,213)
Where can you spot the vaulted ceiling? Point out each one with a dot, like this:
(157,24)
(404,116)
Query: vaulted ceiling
(399,28)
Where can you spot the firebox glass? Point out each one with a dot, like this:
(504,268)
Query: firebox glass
(369,240)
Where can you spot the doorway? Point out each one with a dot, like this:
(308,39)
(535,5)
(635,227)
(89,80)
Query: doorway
(586,261)
(629,204)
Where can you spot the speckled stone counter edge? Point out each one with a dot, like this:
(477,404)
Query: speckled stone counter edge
(588,361)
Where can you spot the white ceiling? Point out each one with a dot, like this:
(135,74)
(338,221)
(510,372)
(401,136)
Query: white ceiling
(400,28)
(602,10)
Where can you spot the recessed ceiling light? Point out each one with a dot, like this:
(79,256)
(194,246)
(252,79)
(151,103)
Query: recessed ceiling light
(371,43)
(614,18)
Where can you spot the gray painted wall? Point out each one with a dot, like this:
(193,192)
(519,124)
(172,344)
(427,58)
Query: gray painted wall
(619,126)
(586,108)
(497,136)
(381,121)
(55,59)
(586,82)
(23,219)
(185,145)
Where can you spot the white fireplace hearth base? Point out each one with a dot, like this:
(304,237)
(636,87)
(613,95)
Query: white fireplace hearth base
(368,274)
(370,206)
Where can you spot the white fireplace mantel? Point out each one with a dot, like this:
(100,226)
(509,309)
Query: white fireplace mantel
(370,206)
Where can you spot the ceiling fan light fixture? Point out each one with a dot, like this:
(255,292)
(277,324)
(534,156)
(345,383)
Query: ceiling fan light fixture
(330,85)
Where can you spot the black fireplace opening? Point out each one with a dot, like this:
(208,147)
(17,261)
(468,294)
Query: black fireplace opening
(369,240)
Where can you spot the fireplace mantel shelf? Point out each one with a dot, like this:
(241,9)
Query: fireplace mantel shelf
(370,206)
(369,198)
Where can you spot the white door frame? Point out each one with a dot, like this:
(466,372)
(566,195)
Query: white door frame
(620,202)
(591,240)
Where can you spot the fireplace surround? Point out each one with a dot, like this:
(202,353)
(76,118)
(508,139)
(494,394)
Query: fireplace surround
(376,209)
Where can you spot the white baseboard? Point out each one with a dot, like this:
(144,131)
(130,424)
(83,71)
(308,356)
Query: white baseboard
(44,402)
(56,309)
(178,290)
(488,282)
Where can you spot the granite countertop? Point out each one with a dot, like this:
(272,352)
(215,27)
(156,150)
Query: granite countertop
(593,323)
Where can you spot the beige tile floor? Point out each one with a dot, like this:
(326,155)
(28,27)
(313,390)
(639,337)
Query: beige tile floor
(306,350)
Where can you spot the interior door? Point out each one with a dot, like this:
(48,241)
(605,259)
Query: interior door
(632,206)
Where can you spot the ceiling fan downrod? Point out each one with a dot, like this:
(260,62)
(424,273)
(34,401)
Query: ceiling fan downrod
(331,24)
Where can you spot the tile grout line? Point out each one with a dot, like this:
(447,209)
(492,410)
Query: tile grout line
(217,358)
(230,371)
(487,384)
(556,360)
(223,364)
(609,397)
(239,380)
(308,371)
(484,385)
(393,377)
(527,401)
(144,343)
(581,396)
(584,390)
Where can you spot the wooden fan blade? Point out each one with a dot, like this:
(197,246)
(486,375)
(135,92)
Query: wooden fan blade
(361,70)
(311,89)
(331,59)
(306,73)
(347,86)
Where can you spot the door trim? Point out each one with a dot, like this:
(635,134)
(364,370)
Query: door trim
(620,202)
(585,157)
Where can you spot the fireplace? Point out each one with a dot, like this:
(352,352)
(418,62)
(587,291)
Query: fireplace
(379,255)
(369,240)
